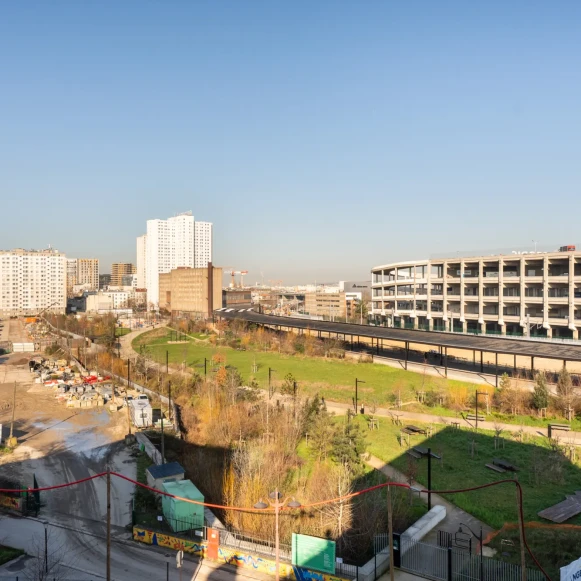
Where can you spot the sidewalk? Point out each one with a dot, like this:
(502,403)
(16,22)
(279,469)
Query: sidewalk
(341,409)
(454,515)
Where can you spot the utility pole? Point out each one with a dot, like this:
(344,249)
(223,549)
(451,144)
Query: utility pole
(126,400)
(169,400)
(167,362)
(390,533)
(162,440)
(108,524)
(11,438)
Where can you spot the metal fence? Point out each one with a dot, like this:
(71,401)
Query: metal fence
(451,564)
(253,544)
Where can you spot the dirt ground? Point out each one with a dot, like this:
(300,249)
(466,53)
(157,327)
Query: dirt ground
(57,445)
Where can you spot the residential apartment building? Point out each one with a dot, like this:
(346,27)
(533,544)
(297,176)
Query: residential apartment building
(191,291)
(119,270)
(533,294)
(330,306)
(32,281)
(168,245)
(88,272)
(202,244)
(140,263)
(71,275)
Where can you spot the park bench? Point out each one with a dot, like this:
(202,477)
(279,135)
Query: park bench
(495,468)
(473,417)
(423,451)
(561,427)
(504,464)
(416,430)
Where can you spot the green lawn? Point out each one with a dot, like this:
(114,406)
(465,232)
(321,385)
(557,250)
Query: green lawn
(543,543)
(458,469)
(334,378)
(8,553)
(120,331)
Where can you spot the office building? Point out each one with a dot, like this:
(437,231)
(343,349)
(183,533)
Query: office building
(531,294)
(119,270)
(88,272)
(32,281)
(329,306)
(191,291)
(168,245)
(104,281)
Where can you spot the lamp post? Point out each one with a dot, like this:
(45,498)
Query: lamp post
(45,523)
(274,501)
(357,382)
(479,538)
(477,394)
(270,371)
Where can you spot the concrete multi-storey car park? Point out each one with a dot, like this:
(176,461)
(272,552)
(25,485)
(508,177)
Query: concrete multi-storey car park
(536,294)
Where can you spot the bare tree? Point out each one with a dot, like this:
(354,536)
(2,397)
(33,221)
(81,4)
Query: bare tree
(48,563)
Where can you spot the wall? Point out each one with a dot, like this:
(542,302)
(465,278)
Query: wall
(11,502)
(230,556)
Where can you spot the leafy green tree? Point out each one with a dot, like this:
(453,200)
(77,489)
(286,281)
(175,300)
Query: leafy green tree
(505,382)
(348,445)
(541,391)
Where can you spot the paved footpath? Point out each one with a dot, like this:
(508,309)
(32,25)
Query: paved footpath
(570,437)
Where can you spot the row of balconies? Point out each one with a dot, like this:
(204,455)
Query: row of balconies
(556,317)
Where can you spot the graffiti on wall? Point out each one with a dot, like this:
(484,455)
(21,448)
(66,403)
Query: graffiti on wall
(248,561)
(168,541)
(12,502)
(302,574)
(234,557)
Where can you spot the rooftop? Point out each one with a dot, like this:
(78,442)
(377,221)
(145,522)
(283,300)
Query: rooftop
(165,470)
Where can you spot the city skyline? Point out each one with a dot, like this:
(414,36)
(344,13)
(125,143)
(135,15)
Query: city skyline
(359,135)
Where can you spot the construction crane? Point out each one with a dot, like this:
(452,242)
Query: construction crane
(233,274)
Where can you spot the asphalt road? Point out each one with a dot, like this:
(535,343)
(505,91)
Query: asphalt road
(521,347)
(77,554)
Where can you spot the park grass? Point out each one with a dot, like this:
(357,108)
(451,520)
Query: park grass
(332,378)
(335,378)
(120,331)
(543,543)
(495,505)
(9,553)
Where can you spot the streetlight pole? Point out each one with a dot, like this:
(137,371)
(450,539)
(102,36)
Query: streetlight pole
(45,523)
(275,502)
(357,382)
(479,538)
(270,370)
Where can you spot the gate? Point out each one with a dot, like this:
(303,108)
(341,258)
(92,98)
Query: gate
(451,564)
(424,559)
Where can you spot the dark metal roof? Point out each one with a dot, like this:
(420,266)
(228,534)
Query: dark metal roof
(166,470)
(509,346)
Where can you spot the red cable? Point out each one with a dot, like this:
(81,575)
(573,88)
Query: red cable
(520,509)
(328,501)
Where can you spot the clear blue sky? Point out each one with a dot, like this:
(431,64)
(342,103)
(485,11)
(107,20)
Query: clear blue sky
(321,137)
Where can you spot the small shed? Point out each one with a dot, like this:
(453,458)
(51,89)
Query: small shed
(157,475)
(181,515)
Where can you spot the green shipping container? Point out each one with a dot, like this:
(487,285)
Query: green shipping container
(182,515)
